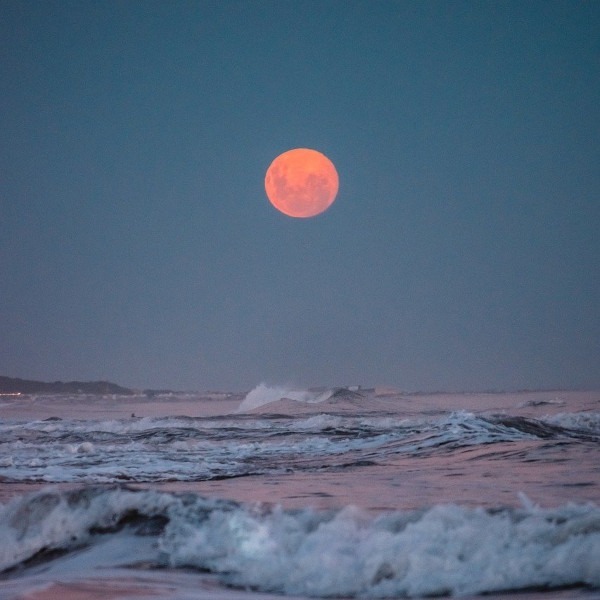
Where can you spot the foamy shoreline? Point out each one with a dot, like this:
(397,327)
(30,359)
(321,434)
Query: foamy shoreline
(454,465)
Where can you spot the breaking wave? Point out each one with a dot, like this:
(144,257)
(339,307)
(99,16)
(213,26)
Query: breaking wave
(263,394)
(445,549)
(198,449)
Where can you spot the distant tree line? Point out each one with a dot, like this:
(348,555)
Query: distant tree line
(10,385)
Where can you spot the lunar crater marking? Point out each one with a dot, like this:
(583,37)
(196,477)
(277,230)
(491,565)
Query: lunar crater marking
(301,183)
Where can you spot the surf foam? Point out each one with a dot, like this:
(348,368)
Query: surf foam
(446,549)
(443,550)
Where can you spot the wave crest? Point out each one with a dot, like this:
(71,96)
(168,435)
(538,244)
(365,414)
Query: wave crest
(446,549)
(264,394)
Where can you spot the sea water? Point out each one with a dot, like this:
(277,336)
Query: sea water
(331,493)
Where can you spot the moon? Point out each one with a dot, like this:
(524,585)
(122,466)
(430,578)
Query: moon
(301,183)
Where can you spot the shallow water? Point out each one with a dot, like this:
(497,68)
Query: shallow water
(300,493)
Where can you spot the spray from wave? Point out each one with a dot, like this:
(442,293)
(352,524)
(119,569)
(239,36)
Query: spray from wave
(263,394)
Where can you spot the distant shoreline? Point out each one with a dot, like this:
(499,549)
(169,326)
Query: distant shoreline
(10,385)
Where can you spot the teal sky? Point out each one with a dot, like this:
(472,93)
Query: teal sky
(137,244)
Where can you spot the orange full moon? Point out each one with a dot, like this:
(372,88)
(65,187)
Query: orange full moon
(301,183)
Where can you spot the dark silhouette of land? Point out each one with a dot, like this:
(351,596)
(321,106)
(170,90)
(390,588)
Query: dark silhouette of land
(9,385)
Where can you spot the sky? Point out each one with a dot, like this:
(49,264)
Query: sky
(137,244)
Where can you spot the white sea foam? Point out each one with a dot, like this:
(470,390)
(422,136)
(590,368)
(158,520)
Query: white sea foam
(584,422)
(446,549)
(180,448)
(51,520)
(320,450)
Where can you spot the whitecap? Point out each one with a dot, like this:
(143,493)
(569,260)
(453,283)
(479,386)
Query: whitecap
(263,394)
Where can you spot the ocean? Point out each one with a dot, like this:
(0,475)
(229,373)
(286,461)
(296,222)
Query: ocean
(289,493)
